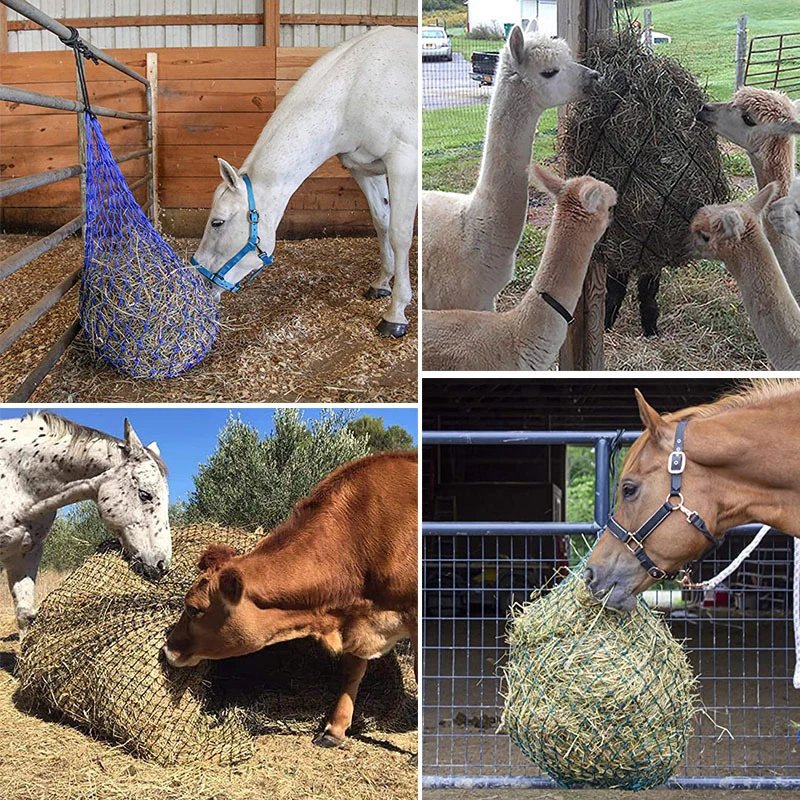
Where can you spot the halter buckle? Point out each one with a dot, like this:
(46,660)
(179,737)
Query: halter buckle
(677,462)
(252,215)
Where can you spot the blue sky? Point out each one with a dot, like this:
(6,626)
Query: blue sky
(187,436)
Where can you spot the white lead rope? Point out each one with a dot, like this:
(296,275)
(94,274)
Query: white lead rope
(737,562)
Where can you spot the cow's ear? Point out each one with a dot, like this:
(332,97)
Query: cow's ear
(215,556)
(231,585)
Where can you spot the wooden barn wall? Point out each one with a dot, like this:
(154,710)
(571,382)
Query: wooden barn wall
(211,102)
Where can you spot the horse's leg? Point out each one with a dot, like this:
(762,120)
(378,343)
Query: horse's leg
(340,719)
(648,302)
(376,190)
(402,174)
(616,285)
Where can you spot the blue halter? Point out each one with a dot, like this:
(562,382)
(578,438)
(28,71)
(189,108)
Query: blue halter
(218,277)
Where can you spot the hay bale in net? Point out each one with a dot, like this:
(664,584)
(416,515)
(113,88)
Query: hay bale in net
(141,307)
(595,697)
(93,657)
(637,131)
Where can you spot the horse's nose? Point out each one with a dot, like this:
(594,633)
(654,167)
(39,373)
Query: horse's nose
(588,575)
(162,568)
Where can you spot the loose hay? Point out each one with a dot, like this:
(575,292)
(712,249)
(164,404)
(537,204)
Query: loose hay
(93,656)
(594,697)
(141,307)
(637,131)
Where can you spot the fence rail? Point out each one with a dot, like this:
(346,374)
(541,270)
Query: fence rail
(20,326)
(739,640)
(773,62)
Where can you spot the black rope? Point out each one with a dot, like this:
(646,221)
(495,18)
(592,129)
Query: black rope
(81,50)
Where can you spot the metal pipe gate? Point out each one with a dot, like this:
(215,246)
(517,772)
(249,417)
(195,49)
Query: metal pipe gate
(14,186)
(743,652)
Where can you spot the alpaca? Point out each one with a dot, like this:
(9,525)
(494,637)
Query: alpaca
(732,233)
(784,213)
(529,336)
(469,240)
(764,124)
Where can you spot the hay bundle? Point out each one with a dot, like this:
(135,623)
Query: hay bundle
(93,656)
(638,132)
(594,697)
(141,307)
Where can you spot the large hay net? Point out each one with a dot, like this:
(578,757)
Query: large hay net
(93,656)
(595,697)
(141,307)
(637,131)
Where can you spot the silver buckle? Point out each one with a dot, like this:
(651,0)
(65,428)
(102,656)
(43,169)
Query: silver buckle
(682,462)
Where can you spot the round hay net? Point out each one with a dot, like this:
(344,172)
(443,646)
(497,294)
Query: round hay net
(596,698)
(93,656)
(141,307)
(637,131)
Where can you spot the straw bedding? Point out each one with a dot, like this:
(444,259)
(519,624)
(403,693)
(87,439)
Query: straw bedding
(595,697)
(93,656)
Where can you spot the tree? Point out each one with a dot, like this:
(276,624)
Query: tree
(379,438)
(250,481)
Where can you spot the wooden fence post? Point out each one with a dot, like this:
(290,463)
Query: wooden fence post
(581,23)
(152,138)
(741,52)
(648,29)
(272,23)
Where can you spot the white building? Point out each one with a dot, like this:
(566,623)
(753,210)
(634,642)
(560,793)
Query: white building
(497,13)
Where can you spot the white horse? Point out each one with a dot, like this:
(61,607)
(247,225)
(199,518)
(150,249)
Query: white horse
(358,102)
(47,462)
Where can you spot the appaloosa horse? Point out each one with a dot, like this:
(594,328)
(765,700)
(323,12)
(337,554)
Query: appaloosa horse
(358,102)
(47,462)
(691,476)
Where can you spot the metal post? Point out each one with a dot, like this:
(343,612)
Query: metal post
(81,116)
(648,29)
(152,137)
(602,482)
(741,52)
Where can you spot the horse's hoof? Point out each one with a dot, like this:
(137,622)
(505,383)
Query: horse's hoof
(327,739)
(375,294)
(393,330)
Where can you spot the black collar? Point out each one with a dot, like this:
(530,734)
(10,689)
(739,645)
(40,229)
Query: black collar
(553,303)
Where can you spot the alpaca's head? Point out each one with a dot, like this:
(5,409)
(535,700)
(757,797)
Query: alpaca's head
(545,68)
(784,214)
(753,119)
(721,232)
(585,203)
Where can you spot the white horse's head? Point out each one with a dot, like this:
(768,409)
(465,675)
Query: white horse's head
(133,502)
(228,230)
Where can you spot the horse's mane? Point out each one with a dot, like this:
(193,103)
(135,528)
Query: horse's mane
(63,428)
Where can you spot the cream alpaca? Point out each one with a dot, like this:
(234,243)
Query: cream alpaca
(732,233)
(469,240)
(528,336)
(764,124)
(784,213)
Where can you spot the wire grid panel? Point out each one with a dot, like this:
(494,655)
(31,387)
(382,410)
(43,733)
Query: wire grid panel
(739,639)
(773,62)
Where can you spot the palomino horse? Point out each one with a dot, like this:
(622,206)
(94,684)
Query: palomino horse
(47,462)
(691,476)
(358,102)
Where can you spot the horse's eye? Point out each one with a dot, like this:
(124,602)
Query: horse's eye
(215,223)
(748,120)
(629,490)
(549,73)
(144,496)
(193,611)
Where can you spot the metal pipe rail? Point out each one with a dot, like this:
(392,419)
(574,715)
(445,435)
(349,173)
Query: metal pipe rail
(15,95)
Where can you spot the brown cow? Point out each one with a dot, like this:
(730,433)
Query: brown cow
(342,568)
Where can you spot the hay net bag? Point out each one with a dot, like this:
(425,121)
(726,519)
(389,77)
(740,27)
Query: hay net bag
(141,308)
(93,656)
(637,131)
(594,697)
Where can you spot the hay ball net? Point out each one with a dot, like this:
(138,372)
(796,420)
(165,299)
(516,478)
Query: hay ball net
(596,698)
(93,657)
(637,131)
(141,307)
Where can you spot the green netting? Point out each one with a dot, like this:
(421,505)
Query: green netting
(594,697)
(93,656)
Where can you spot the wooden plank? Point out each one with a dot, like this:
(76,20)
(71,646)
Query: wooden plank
(153,139)
(16,161)
(271,22)
(3,29)
(216,95)
(214,129)
(66,193)
(145,21)
(369,20)
(54,130)
(292,62)
(117,95)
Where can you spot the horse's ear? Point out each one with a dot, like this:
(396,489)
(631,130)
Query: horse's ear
(132,441)
(215,556)
(154,448)
(231,585)
(650,418)
(229,174)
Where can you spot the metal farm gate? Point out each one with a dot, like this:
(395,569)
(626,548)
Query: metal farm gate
(773,62)
(740,639)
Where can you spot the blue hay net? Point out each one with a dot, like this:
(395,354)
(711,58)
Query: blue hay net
(141,307)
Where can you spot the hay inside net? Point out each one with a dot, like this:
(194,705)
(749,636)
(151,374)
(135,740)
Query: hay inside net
(141,307)
(595,697)
(637,131)
(93,656)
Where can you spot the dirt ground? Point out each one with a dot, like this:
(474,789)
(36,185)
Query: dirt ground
(301,332)
(41,759)
(606,794)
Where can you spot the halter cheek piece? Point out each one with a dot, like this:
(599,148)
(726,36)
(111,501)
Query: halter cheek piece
(218,277)
(634,540)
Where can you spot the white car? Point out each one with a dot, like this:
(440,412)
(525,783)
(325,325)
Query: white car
(436,44)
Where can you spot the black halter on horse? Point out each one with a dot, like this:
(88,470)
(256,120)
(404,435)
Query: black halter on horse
(634,540)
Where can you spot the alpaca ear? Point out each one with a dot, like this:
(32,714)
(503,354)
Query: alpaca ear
(231,585)
(592,199)
(229,174)
(784,127)
(548,181)
(516,44)
(732,224)
(760,201)
(533,26)
(650,418)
